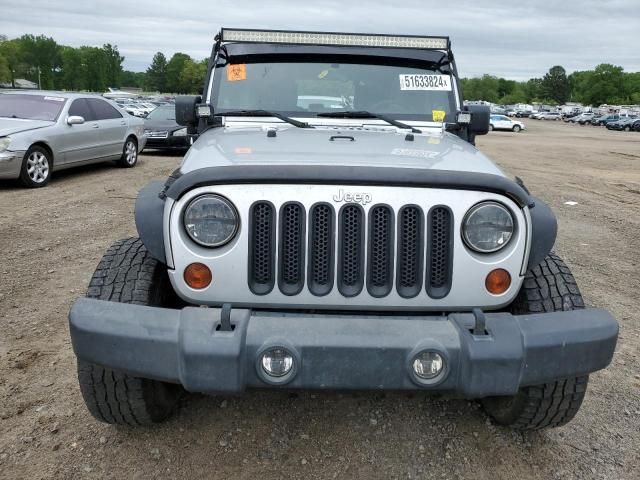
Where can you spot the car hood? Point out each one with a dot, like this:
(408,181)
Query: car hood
(9,126)
(355,146)
(161,125)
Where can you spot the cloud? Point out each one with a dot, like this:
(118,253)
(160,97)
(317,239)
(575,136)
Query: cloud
(514,40)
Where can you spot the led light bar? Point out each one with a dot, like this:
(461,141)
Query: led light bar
(335,39)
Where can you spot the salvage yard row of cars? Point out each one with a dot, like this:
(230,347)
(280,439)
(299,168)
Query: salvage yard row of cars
(42,132)
(613,121)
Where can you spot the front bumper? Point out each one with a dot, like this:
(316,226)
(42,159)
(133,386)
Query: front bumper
(340,351)
(169,143)
(11,163)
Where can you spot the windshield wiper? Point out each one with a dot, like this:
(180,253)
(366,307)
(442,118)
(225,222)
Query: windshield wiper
(264,113)
(365,114)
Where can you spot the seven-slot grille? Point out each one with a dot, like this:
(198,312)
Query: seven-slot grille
(405,249)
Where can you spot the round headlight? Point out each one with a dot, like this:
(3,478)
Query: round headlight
(487,227)
(210,220)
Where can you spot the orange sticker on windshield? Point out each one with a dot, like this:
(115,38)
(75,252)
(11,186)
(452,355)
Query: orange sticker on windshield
(237,72)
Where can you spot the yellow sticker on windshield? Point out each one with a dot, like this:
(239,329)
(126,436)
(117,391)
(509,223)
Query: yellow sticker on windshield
(237,72)
(323,74)
(438,115)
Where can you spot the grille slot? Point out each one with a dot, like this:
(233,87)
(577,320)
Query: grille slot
(380,252)
(262,242)
(410,251)
(439,251)
(291,248)
(321,249)
(351,251)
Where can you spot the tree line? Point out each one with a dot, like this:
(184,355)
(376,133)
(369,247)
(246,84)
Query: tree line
(42,60)
(605,84)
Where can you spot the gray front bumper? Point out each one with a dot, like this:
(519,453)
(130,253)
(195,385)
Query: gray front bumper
(340,351)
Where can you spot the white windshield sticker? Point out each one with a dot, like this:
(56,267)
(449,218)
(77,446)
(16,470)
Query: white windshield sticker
(425,82)
(55,99)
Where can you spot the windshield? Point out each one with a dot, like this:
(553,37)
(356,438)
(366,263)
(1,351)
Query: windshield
(304,89)
(31,107)
(162,113)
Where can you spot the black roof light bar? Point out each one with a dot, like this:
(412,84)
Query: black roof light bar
(292,37)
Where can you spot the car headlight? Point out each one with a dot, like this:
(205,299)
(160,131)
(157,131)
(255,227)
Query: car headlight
(210,220)
(180,133)
(4,143)
(487,227)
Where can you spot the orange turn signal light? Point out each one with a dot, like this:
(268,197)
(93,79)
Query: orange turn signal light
(498,281)
(198,276)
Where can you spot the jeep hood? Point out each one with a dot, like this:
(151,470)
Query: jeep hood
(351,146)
(9,126)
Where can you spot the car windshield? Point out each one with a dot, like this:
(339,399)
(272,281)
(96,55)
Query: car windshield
(162,113)
(305,89)
(31,107)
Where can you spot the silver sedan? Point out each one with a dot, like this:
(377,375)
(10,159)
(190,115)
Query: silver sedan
(41,132)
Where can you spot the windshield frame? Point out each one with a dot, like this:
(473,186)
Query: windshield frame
(435,60)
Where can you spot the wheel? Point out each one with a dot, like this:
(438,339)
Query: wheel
(491,128)
(129,153)
(548,287)
(516,128)
(128,274)
(627,128)
(36,167)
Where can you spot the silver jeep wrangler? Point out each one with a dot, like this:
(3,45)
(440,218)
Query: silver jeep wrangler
(341,231)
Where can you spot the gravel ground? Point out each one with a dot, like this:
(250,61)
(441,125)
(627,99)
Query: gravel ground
(52,239)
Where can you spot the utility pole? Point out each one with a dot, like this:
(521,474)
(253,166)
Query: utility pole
(39,84)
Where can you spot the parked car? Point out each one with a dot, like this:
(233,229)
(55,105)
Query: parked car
(134,109)
(502,122)
(523,114)
(335,253)
(550,116)
(163,132)
(624,123)
(536,115)
(604,119)
(586,118)
(41,132)
(635,126)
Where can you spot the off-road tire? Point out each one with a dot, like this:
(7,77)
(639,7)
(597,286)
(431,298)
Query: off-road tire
(548,287)
(128,274)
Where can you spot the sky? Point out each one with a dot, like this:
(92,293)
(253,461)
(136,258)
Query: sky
(515,40)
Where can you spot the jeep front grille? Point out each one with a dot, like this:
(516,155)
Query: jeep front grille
(393,256)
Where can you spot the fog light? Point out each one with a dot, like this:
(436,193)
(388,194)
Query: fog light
(428,365)
(277,362)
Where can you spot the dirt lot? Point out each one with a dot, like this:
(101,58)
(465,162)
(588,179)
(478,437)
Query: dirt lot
(52,238)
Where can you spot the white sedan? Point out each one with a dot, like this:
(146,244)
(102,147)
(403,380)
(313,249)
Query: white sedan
(502,122)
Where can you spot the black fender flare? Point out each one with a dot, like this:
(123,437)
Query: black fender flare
(544,229)
(149,215)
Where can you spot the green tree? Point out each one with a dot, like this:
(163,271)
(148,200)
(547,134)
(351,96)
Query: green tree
(5,73)
(94,68)
(41,56)
(133,79)
(555,85)
(72,74)
(606,85)
(113,64)
(157,73)
(192,76)
(174,69)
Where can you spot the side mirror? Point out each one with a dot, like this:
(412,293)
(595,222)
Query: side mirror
(186,110)
(479,124)
(75,120)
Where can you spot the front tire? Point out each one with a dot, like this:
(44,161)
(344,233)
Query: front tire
(129,157)
(128,274)
(516,128)
(548,287)
(36,167)
(491,128)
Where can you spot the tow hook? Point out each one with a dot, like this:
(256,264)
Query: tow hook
(479,328)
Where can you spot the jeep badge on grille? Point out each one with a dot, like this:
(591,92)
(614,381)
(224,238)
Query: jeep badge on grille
(350,197)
